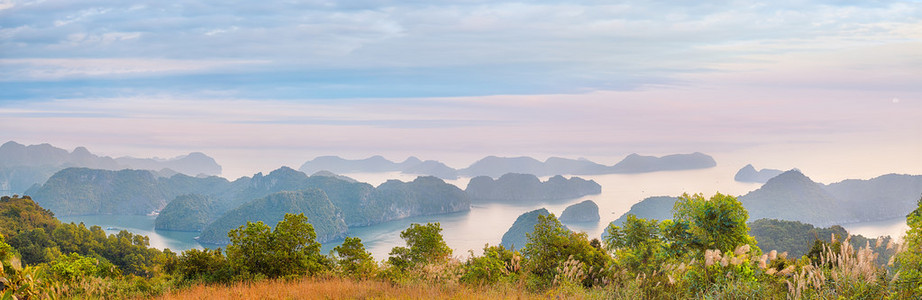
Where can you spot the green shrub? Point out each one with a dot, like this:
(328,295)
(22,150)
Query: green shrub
(424,245)
(288,250)
(907,283)
(208,265)
(72,266)
(554,254)
(497,263)
(353,260)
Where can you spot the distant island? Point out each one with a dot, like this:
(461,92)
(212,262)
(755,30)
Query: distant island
(191,212)
(192,164)
(793,196)
(326,218)
(749,174)
(658,208)
(635,163)
(586,211)
(23,166)
(526,189)
(516,236)
(84,191)
(376,164)
(195,204)
(494,166)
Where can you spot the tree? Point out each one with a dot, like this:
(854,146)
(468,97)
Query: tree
(354,260)
(496,263)
(6,251)
(715,223)
(551,246)
(639,245)
(209,265)
(295,246)
(424,245)
(70,267)
(908,281)
(288,250)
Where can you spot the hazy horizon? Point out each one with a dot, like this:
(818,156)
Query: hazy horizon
(831,88)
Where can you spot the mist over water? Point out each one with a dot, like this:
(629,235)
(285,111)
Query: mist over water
(486,223)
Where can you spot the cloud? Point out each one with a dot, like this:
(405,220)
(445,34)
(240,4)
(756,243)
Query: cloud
(606,125)
(440,48)
(67,68)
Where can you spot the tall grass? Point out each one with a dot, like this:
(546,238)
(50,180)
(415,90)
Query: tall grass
(344,288)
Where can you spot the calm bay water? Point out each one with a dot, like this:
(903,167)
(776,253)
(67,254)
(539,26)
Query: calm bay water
(486,223)
(144,225)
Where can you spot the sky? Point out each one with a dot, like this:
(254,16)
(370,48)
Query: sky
(828,86)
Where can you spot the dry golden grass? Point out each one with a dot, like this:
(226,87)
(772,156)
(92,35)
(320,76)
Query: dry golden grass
(339,288)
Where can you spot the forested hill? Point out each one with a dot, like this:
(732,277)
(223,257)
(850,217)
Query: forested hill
(326,218)
(798,238)
(40,238)
(793,196)
(691,256)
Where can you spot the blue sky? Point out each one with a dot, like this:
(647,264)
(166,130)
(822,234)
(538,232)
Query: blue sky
(463,78)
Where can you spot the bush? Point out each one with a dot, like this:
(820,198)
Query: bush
(70,267)
(554,254)
(424,245)
(353,260)
(638,245)
(288,250)
(205,265)
(907,283)
(497,263)
(715,223)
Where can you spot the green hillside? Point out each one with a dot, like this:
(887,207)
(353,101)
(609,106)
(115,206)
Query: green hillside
(327,219)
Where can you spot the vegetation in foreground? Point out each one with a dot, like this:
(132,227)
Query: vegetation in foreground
(705,251)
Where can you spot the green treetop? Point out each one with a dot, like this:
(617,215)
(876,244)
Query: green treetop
(715,223)
(424,245)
